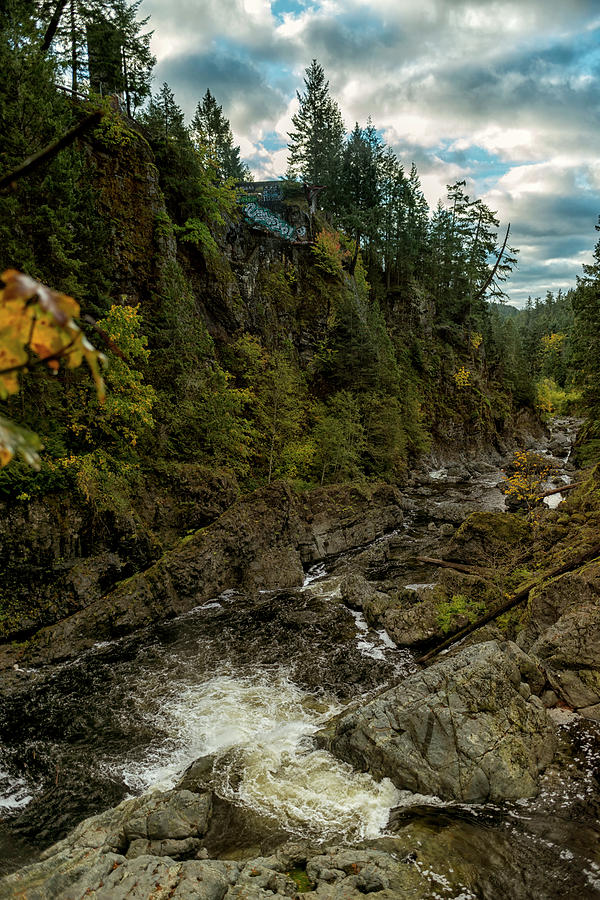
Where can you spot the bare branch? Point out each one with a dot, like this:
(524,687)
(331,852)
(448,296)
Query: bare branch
(38,159)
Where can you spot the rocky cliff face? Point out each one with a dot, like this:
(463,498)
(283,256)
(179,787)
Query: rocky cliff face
(61,553)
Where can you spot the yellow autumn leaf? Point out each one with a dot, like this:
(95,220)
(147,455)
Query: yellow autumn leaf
(47,339)
(12,357)
(22,287)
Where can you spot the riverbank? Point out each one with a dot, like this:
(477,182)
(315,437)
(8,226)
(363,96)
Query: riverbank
(247,678)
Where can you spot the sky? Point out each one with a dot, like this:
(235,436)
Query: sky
(502,93)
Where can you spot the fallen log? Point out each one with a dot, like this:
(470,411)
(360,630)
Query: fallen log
(560,490)
(38,159)
(512,601)
(458,567)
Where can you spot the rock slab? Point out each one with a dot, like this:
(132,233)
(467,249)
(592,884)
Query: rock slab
(465,729)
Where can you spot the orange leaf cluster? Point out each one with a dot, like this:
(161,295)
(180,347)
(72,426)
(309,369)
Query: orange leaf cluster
(38,321)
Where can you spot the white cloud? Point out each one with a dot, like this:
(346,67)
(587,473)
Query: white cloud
(517,80)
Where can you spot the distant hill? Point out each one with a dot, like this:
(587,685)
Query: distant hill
(505,310)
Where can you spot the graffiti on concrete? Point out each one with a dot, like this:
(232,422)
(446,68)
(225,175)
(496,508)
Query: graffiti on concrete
(266,191)
(258,215)
(272,192)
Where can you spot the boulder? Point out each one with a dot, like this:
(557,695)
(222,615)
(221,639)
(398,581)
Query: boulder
(461,730)
(549,602)
(357,593)
(174,815)
(569,651)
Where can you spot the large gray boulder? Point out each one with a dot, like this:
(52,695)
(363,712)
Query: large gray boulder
(468,728)
(552,599)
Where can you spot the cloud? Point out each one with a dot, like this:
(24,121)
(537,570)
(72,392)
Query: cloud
(249,101)
(499,92)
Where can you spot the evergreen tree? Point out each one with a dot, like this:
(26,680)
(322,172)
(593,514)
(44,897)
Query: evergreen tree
(211,132)
(468,264)
(70,43)
(317,142)
(47,224)
(339,438)
(586,305)
(101,44)
(361,189)
(392,185)
(164,119)
(137,61)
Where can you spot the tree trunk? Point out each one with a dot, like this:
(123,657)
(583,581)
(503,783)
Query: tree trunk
(457,567)
(53,24)
(73,48)
(355,256)
(126,82)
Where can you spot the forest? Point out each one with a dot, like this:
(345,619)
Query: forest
(359,348)
(299,515)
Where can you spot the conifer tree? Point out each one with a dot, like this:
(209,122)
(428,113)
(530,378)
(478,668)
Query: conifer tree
(317,141)
(211,132)
(361,188)
(586,305)
(102,45)
(164,118)
(137,61)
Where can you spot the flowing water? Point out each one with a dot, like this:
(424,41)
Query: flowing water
(247,681)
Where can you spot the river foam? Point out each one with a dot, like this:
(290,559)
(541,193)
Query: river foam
(258,730)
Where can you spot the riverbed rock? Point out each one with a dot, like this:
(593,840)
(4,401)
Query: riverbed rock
(61,553)
(175,815)
(447,511)
(553,599)
(426,614)
(489,538)
(460,730)
(262,541)
(357,593)
(570,653)
(341,517)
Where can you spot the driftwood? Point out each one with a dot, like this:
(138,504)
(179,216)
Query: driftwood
(560,490)
(458,567)
(51,150)
(512,601)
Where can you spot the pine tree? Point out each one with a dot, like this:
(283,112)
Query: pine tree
(468,264)
(317,142)
(137,61)
(361,188)
(101,44)
(392,218)
(211,133)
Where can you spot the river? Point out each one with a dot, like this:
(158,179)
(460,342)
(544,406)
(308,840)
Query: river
(247,680)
